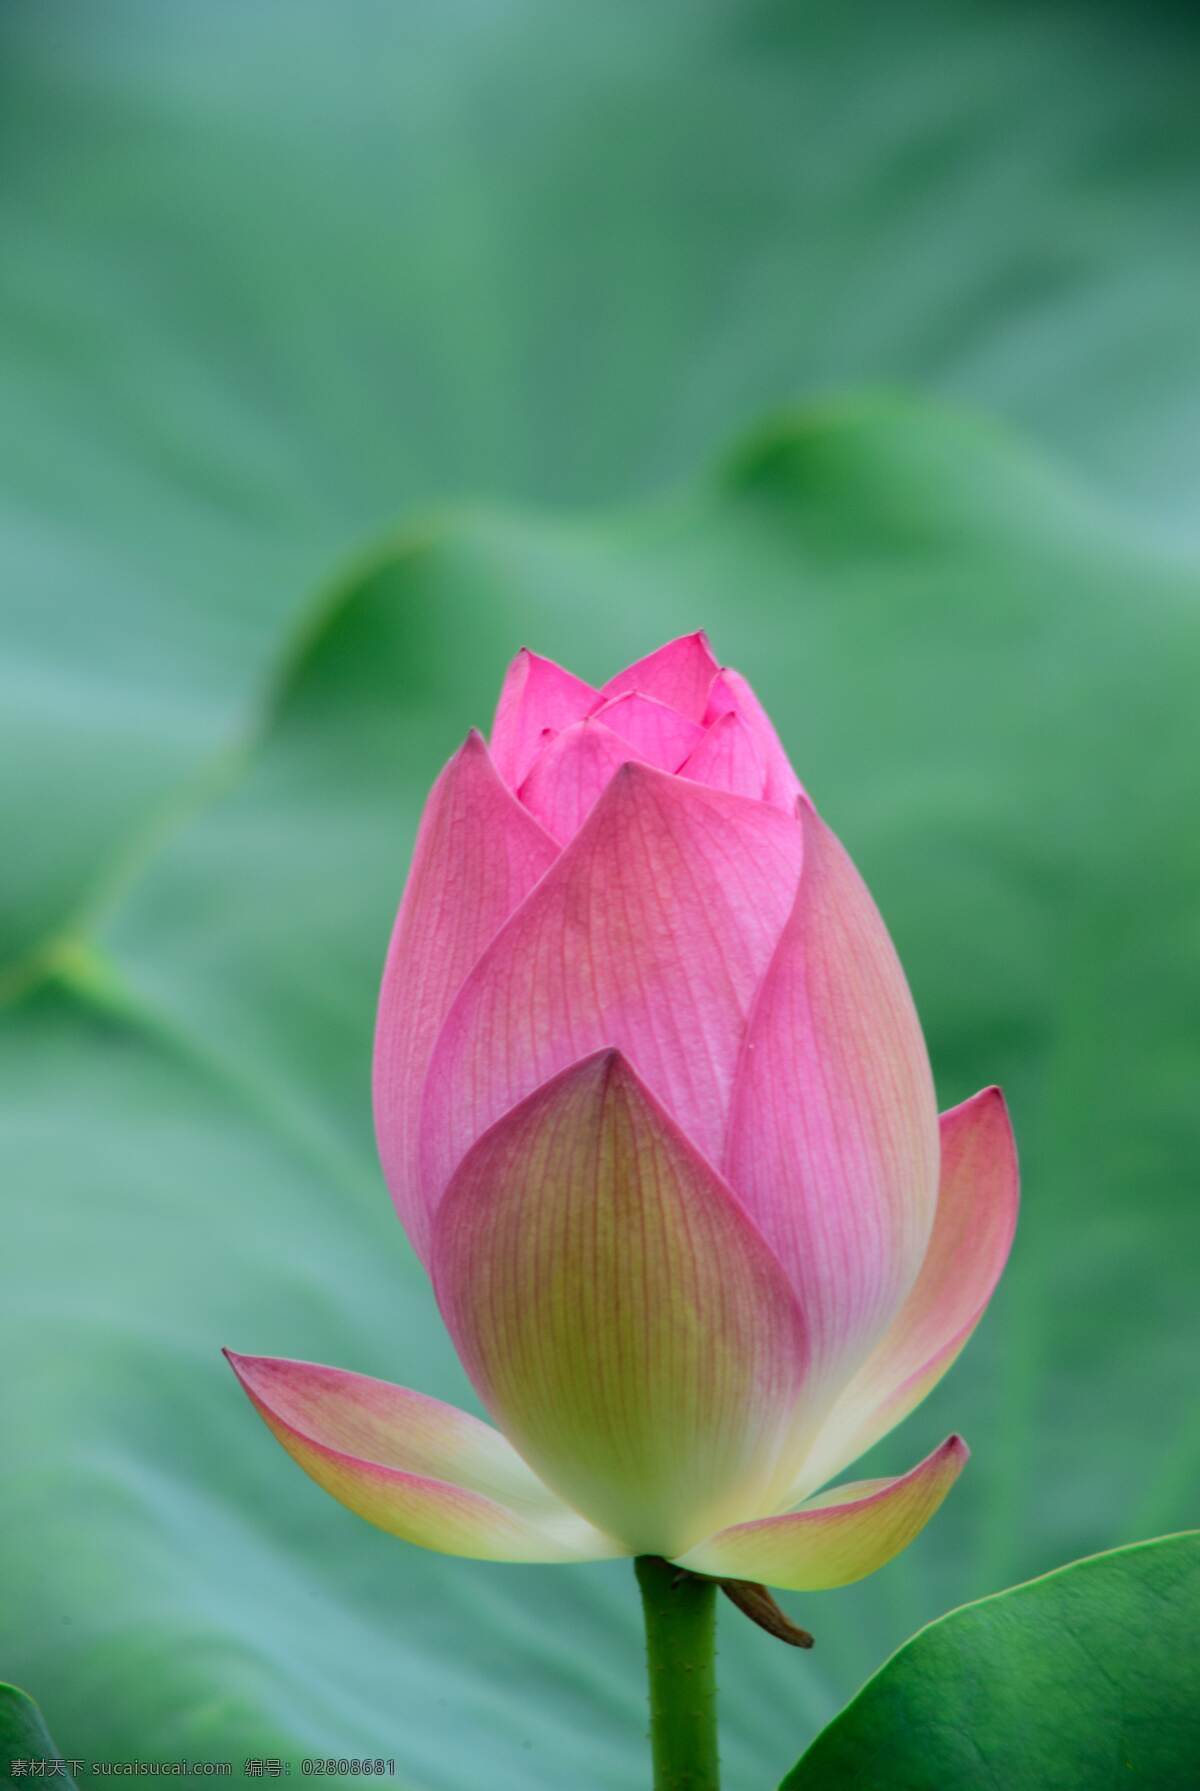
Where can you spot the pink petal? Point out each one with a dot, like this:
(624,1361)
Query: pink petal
(568,778)
(972,1235)
(726,758)
(537,697)
(621,1318)
(415,1467)
(650,933)
(838,1538)
(659,736)
(678,675)
(833,1141)
(731,691)
(477,855)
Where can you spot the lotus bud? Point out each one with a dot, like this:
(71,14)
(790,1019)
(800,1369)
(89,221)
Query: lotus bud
(656,1112)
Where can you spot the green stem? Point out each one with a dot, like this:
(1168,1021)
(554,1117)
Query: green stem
(681,1630)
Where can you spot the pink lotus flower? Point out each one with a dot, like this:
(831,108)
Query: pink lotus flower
(656,1111)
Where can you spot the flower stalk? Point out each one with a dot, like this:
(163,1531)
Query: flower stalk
(681,1629)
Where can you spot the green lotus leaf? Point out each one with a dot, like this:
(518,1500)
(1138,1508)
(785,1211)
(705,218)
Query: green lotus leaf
(1087,1676)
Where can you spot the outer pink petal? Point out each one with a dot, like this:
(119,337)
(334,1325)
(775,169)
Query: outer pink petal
(569,777)
(731,691)
(477,855)
(620,1316)
(838,1538)
(659,735)
(651,933)
(972,1235)
(679,675)
(833,1142)
(415,1467)
(537,697)
(726,758)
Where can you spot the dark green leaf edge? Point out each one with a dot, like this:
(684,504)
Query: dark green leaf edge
(25,1737)
(806,1775)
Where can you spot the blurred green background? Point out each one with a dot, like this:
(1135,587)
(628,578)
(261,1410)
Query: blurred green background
(343,348)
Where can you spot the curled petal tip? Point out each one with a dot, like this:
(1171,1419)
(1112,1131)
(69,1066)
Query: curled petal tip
(413,1466)
(678,673)
(473,746)
(978,1199)
(989,1106)
(726,758)
(536,694)
(840,1536)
